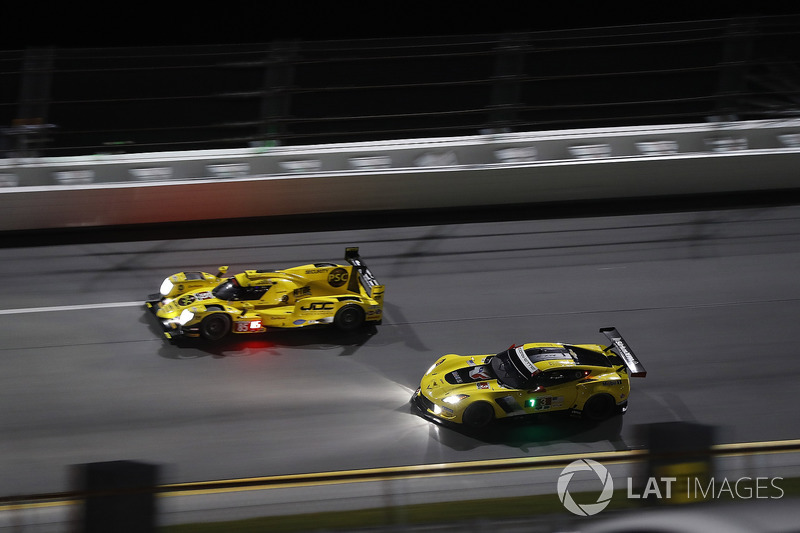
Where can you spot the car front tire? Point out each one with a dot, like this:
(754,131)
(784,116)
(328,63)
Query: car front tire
(216,326)
(478,415)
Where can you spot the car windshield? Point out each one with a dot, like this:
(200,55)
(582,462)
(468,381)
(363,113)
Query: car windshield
(510,371)
(231,291)
(226,290)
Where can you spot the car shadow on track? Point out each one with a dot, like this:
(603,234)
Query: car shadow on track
(529,432)
(323,338)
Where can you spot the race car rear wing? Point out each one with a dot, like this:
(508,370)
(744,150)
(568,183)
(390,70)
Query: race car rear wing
(365,275)
(635,368)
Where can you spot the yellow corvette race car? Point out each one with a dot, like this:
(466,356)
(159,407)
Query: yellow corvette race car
(584,379)
(199,304)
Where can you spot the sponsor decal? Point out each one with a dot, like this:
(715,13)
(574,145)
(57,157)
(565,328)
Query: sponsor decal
(483,385)
(337,277)
(523,357)
(479,372)
(318,306)
(457,377)
(316,271)
(302,292)
(205,295)
(299,322)
(183,301)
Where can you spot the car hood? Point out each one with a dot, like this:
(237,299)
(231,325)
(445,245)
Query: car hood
(460,374)
(184,301)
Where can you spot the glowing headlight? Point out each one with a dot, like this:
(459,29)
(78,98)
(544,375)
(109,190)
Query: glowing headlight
(185,317)
(454,399)
(166,287)
(430,369)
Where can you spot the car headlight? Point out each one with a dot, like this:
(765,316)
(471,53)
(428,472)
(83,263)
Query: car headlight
(186,317)
(430,369)
(166,287)
(455,398)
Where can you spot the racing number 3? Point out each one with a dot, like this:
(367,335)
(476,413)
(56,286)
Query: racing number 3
(337,277)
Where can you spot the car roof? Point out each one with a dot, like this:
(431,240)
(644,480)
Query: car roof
(545,356)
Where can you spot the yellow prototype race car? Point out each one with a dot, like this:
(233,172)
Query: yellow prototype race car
(199,304)
(590,380)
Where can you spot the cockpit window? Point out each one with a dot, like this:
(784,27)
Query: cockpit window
(231,291)
(510,370)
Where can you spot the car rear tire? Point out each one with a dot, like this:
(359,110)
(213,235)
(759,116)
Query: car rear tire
(478,415)
(216,326)
(599,407)
(349,318)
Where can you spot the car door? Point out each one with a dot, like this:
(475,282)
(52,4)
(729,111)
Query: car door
(552,390)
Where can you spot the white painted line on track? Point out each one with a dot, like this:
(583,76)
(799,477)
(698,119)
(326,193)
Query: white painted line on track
(68,308)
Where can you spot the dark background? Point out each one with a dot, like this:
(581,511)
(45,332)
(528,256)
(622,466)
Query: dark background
(84,80)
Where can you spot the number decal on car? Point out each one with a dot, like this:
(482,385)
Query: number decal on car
(250,325)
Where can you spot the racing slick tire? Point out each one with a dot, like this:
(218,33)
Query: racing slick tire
(349,318)
(599,407)
(478,415)
(216,326)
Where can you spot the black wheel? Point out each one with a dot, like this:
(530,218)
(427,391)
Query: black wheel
(478,415)
(599,407)
(349,317)
(215,326)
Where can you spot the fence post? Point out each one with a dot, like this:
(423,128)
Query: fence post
(120,497)
(679,463)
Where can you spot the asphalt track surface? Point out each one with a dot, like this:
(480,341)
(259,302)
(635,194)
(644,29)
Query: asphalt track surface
(709,300)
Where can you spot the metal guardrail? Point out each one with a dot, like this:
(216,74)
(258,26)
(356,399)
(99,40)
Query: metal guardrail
(485,170)
(446,153)
(402,472)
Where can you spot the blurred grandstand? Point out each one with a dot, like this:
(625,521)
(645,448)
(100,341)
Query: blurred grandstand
(58,101)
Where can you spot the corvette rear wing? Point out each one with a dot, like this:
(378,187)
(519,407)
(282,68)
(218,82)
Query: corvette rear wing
(365,275)
(635,368)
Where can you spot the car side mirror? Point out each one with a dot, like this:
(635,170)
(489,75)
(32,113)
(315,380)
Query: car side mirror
(222,271)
